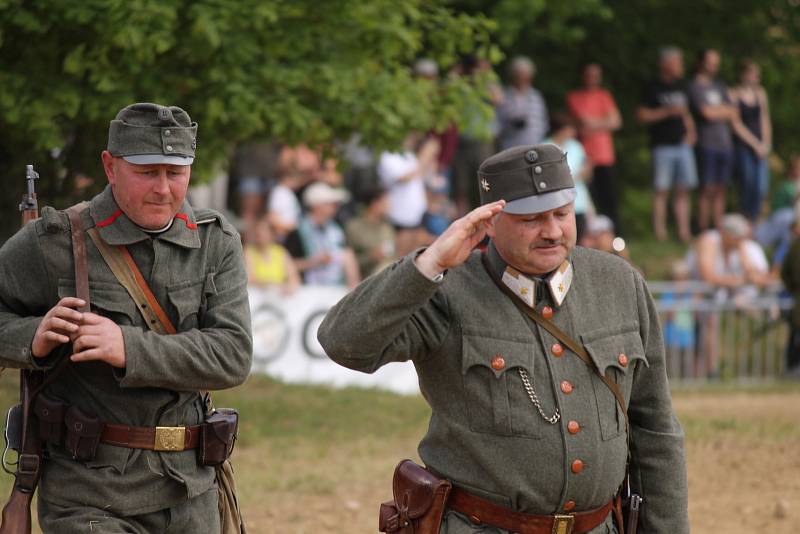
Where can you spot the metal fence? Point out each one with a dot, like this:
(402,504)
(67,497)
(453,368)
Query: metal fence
(714,334)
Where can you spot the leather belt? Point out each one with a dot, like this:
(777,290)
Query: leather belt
(159,438)
(483,512)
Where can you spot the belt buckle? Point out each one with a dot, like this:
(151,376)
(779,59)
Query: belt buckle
(562,524)
(170,438)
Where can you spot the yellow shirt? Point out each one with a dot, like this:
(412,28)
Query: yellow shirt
(269,267)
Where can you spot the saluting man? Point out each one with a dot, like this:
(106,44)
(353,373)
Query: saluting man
(526,431)
(123,375)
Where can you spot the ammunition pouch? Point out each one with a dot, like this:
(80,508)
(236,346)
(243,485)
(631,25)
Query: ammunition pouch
(50,414)
(83,434)
(218,436)
(419,501)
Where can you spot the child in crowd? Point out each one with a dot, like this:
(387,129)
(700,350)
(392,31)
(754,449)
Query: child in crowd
(680,323)
(563,134)
(268,263)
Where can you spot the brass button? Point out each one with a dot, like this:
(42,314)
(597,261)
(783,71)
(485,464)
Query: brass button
(557,350)
(623,360)
(573,427)
(569,506)
(547,312)
(566,387)
(475,519)
(577,466)
(498,362)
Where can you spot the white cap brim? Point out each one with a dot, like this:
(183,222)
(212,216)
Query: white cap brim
(541,203)
(158,159)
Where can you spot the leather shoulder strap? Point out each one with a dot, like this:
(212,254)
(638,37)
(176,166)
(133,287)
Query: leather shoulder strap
(79,254)
(121,263)
(560,335)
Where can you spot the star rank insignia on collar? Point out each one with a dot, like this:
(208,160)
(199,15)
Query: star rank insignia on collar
(485,185)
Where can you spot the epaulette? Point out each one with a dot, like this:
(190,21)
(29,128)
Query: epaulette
(53,220)
(208,216)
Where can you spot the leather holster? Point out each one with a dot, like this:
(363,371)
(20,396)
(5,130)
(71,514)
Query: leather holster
(420,499)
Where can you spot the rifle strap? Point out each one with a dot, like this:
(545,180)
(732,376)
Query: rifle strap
(560,335)
(79,254)
(32,382)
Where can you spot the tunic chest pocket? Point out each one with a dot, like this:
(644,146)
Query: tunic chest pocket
(496,400)
(189,300)
(616,352)
(108,300)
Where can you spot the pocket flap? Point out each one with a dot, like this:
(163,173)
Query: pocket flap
(104,296)
(414,488)
(499,355)
(617,349)
(186,298)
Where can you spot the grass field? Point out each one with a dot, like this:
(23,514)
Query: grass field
(311,459)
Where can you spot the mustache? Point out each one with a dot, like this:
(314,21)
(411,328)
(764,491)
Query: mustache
(549,243)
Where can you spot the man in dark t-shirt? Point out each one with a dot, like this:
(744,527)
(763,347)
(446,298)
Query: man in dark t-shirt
(665,110)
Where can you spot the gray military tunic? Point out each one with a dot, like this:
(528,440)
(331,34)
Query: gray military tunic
(485,434)
(196,272)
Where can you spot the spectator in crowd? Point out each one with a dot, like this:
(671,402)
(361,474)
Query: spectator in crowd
(269,265)
(790,274)
(403,175)
(475,141)
(664,109)
(252,170)
(753,138)
(597,115)
(439,214)
(729,258)
(562,134)
(600,235)
(369,233)
(427,69)
(679,321)
(522,114)
(298,166)
(714,113)
(776,230)
(318,244)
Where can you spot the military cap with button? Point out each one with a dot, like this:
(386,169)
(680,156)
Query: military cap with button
(531,179)
(146,134)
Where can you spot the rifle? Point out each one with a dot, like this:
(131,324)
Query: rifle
(21,434)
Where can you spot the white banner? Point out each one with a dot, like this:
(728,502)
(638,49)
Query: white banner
(285,342)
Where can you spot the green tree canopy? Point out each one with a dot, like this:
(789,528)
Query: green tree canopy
(291,70)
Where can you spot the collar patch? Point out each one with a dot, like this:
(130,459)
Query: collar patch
(558,283)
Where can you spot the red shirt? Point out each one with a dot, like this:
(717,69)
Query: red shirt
(594,103)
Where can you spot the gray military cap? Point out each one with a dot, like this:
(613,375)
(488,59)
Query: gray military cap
(146,134)
(531,179)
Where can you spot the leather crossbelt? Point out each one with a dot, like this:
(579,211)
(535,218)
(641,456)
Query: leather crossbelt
(482,512)
(159,438)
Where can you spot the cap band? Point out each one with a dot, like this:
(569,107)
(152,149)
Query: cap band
(541,203)
(158,159)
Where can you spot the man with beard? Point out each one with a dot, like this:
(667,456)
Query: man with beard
(530,434)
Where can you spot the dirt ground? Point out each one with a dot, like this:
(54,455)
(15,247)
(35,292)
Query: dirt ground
(743,453)
(313,460)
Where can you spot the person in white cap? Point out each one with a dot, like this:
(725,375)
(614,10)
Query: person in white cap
(318,245)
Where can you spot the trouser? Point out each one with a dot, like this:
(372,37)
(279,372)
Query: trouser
(456,523)
(199,514)
(604,193)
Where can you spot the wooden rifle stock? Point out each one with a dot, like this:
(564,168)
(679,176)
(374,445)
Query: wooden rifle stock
(17,513)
